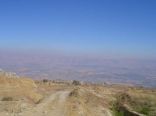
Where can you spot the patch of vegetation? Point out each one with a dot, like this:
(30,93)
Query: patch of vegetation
(45,80)
(127,105)
(74,93)
(123,98)
(117,112)
(119,108)
(143,106)
(76,82)
(144,110)
(7,99)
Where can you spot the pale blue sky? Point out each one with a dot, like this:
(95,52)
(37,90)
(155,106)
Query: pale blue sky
(114,27)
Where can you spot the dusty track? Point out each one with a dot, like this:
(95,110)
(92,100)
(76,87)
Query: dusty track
(57,105)
(54,105)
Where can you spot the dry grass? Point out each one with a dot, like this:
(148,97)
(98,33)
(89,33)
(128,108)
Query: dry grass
(83,99)
(18,88)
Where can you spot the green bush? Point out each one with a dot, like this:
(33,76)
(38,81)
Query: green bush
(116,112)
(145,110)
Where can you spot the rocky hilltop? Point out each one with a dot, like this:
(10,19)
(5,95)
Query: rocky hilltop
(25,97)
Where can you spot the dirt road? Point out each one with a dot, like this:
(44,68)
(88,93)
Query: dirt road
(59,104)
(54,105)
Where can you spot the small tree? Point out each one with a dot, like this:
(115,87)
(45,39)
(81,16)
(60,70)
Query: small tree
(76,82)
(45,80)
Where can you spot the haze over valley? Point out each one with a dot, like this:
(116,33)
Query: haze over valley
(52,66)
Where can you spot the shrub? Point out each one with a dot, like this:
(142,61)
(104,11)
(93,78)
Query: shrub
(45,80)
(76,82)
(7,99)
(145,110)
(74,93)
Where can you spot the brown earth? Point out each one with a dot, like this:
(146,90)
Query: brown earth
(25,97)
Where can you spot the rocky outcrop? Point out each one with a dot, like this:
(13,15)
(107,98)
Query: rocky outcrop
(8,74)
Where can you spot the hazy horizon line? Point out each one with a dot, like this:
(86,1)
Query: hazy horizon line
(62,53)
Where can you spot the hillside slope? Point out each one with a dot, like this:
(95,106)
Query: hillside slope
(25,97)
